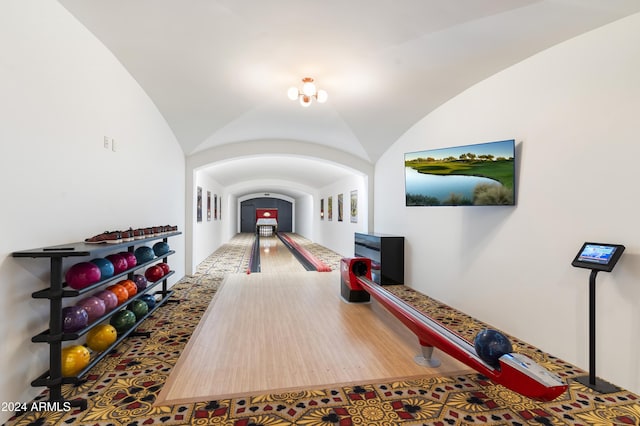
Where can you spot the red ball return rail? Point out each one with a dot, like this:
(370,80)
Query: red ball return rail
(516,371)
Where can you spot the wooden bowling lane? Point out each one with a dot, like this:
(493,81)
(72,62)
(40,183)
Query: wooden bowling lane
(276,257)
(277,332)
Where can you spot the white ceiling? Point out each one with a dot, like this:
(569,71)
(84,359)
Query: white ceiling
(219,70)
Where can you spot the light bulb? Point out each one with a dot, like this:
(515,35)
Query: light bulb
(322,96)
(309,88)
(305,101)
(293,93)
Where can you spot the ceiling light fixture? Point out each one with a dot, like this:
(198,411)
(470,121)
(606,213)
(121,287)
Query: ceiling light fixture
(308,92)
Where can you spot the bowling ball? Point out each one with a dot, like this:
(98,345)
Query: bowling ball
(119,262)
(74,359)
(149,300)
(109,298)
(101,337)
(141,282)
(490,345)
(154,273)
(131,287)
(160,248)
(130,258)
(94,306)
(74,318)
(144,254)
(139,308)
(82,275)
(165,268)
(123,320)
(106,267)
(120,291)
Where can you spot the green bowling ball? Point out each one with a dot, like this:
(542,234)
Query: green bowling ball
(123,320)
(139,308)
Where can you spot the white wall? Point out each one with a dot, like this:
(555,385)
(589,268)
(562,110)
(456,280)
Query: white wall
(61,91)
(303,215)
(333,234)
(573,111)
(208,234)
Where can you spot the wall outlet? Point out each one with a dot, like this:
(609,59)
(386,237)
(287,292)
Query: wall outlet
(113,145)
(106,142)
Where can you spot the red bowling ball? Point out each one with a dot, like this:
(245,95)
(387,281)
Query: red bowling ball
(154,273)
(165,268)
(82,275)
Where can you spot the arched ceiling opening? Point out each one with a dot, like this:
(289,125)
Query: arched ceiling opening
(218,71)
(289,175)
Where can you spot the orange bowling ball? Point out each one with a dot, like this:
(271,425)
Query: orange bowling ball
(132,288)
(120,291)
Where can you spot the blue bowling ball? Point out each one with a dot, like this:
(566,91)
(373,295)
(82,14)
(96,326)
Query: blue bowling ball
(160,248)
(490,345)
(149,300)
(144,254)
(106,267)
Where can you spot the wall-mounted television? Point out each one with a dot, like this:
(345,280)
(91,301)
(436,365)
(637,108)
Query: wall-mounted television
(470,175)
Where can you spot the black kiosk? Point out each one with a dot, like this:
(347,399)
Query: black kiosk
(597,257)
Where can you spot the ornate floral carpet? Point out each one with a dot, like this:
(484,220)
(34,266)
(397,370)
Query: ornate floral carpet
(121,389)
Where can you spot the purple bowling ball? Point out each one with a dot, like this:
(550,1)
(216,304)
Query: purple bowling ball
(94,306)
(82,275)
(74,318)
(141,282)
(119,262)
(109,298)
(130,258)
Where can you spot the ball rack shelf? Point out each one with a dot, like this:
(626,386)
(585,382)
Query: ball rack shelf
(58,290)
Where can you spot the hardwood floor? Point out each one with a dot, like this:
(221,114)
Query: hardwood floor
(283,331)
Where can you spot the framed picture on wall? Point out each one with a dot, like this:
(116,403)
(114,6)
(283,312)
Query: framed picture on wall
(208,206)
(354,206)
(470,175)
(329,208)
(220,210)
(199,205)
(340,205)
(322,209)
(215,206)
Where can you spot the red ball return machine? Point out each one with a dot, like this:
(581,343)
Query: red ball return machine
(514,371)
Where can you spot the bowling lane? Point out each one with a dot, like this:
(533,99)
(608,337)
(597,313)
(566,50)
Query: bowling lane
(276,257)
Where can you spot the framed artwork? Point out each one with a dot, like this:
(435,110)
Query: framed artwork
(215,206)
(220,210)
(322,209)
(354,206)
(199,205)
(471,175)
(340,205)
(330,208)
(208,206)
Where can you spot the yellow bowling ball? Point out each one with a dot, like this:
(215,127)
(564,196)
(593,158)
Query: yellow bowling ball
(101,337)
(74,359)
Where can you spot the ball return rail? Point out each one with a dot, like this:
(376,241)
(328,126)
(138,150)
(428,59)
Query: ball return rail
(514,371)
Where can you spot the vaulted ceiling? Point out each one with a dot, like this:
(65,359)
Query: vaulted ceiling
(219,70)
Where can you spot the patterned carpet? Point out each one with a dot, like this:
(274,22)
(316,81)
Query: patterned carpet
(122,388)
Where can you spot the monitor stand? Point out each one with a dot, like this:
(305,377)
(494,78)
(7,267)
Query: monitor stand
(591,380)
